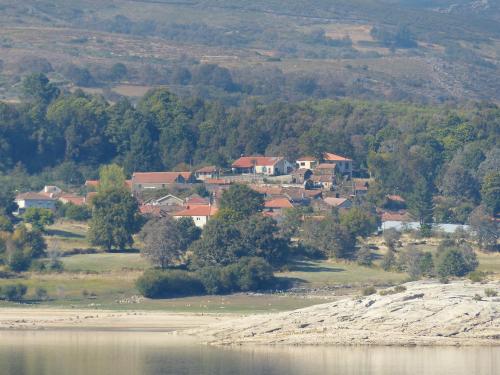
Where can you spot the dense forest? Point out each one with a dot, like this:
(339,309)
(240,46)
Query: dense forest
(438,151)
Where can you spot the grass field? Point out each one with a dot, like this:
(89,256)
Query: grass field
(107,280)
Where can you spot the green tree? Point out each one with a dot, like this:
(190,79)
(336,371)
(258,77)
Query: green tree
(162,242)
(453,263)
(485,230)
(330,237)
(111,177)
(242,200)
(420,205)
(37,87)
(115,218)
(359,221)
(39,218)
(490,193)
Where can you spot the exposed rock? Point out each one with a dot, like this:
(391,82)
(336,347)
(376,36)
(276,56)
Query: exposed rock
(426,313)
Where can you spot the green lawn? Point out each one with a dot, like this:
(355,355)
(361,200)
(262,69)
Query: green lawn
(104,262)
(327,273)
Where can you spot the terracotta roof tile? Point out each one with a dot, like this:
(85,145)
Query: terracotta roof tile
(333,157)
(278,203)
(198,211)
(34,196)
(250,161)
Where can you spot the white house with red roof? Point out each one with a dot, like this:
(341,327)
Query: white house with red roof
(344,165)
(200,214)
(265,165)
(34,200)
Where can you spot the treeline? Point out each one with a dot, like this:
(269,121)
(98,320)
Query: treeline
(441,155)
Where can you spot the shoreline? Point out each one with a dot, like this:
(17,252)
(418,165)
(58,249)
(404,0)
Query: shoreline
(61,319)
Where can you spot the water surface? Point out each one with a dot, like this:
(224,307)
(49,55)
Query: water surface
(123,353)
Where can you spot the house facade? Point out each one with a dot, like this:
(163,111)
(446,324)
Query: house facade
(200,214)
(34,200)
(307,162)
(344,165)
(264,165)
(207,173)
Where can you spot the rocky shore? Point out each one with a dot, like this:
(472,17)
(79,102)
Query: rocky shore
(424,313)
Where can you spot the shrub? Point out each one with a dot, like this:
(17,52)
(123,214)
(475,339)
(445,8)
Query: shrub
(13,292)
(217,280)
(252,274)
(452,262)
(41,294)
(248,274)
(399,288)
(477,276)
(477,297)
(364,256)
(166,284)
(368,291)
(389,260)
(488,292)
(396,289)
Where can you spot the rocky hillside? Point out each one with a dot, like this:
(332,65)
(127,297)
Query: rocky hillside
(426,313)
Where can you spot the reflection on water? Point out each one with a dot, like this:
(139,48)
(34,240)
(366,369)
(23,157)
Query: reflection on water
(122,353)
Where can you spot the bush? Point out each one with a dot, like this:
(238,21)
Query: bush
(389,260)
(488,292)
(477,276)
(41,294)
(217,280)
(364,256)
(368,291)
(249,274)
(253,274)
(13,292)
(166,284)
(452,262)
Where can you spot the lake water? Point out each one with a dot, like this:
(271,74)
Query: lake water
(123,353)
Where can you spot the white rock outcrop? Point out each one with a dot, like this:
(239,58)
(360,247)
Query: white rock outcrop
(426,313)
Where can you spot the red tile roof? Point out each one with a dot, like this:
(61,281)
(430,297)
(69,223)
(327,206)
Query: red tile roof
(209,169)
(93,183)
(196,200)
(250,161)
(69,198)
(34,196)
(198,211)
(159,177)
(333,157)
(394,216)
(335,202)
(278,203)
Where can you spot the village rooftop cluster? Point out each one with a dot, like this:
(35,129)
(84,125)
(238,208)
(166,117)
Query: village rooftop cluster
(321,183)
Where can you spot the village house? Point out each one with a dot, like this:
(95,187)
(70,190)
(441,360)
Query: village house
(200,214)
(307,162)
(339,203)
(196,200)
(326,181)
(344,165)
(301,175)
(206,173)
(265,165)
(277,205)
(159,180)
(34,200)
(71,198)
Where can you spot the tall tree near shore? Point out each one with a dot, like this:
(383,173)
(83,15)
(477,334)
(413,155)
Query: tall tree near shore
(115,218)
